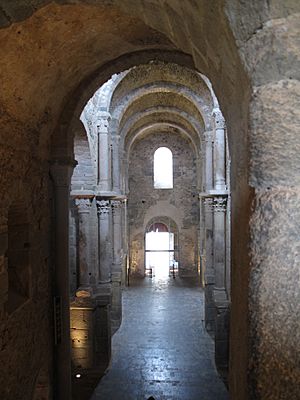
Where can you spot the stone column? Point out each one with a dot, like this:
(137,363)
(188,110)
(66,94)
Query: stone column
(117,232)
(103,151)
(208,179)
(219,150)
(125,168)
(84,207)
(209,276)
(219,244)
(61,172)
(104,241)
(125,242)
(116,311)
(219,293)
(116,163)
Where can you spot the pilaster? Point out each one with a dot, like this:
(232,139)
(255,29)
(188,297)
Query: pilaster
(61,172)
(84,208)
(102,123)
(104,209)
(219,150)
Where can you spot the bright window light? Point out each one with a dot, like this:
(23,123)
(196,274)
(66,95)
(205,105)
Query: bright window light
(159,253)
(163,168)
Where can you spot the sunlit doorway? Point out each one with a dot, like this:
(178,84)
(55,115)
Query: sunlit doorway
(160,251)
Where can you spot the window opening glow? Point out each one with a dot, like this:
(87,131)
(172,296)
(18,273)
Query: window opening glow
(159,252)
(163,168)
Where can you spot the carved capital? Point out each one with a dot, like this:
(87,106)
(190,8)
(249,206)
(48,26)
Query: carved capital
(216,204)
(103,207)
(83,205)
(116,206)
(209,204)
(102,122)
(220,204)
(219,121)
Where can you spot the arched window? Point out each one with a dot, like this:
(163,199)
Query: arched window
(163,168)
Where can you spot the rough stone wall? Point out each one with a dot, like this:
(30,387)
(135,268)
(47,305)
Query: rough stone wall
(26,333)
(84,173)
(179,203)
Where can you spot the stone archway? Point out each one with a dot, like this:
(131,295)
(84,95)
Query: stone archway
(165,245)
(224,41)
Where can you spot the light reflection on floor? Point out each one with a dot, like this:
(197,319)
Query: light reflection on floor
(162,349)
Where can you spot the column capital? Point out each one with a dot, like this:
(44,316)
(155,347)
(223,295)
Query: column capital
(218,119)
(116,206)
(103,207)
(83,205)
(208,203)
(216,204)
(220,203)
(101,119)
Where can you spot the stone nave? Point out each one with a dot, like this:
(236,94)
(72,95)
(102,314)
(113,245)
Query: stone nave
(94,95)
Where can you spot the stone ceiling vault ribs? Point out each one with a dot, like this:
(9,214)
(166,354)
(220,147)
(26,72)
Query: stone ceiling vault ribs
(158,99)
(163,115)
(158,127)
(144,75)
(77,99)
(203,109)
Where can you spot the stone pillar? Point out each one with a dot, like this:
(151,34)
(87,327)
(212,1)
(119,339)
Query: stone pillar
(116,173)
(116,311)
(103,151)
(209,276)
(61,173)
(104,240)
(219,245)
(117,231)
(219,292)
(208,135)
(219,150)
(125,244)
(125,168)
(84,207)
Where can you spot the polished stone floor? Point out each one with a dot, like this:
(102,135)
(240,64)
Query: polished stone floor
(162,348)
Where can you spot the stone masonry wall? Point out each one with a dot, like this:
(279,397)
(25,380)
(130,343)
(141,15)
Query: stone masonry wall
(179,203)
(26,332)
(84,174)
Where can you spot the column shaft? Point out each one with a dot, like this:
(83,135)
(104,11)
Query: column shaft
(208,160)
(117,231)
(219,242)
(219,151)
(61,174)
(103,152)
(104,241)
(116,164)
(84,206)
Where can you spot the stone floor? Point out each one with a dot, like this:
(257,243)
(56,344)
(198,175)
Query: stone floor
(162,348)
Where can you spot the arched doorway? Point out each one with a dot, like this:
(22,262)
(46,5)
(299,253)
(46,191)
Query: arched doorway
(161,249)
(129,120)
